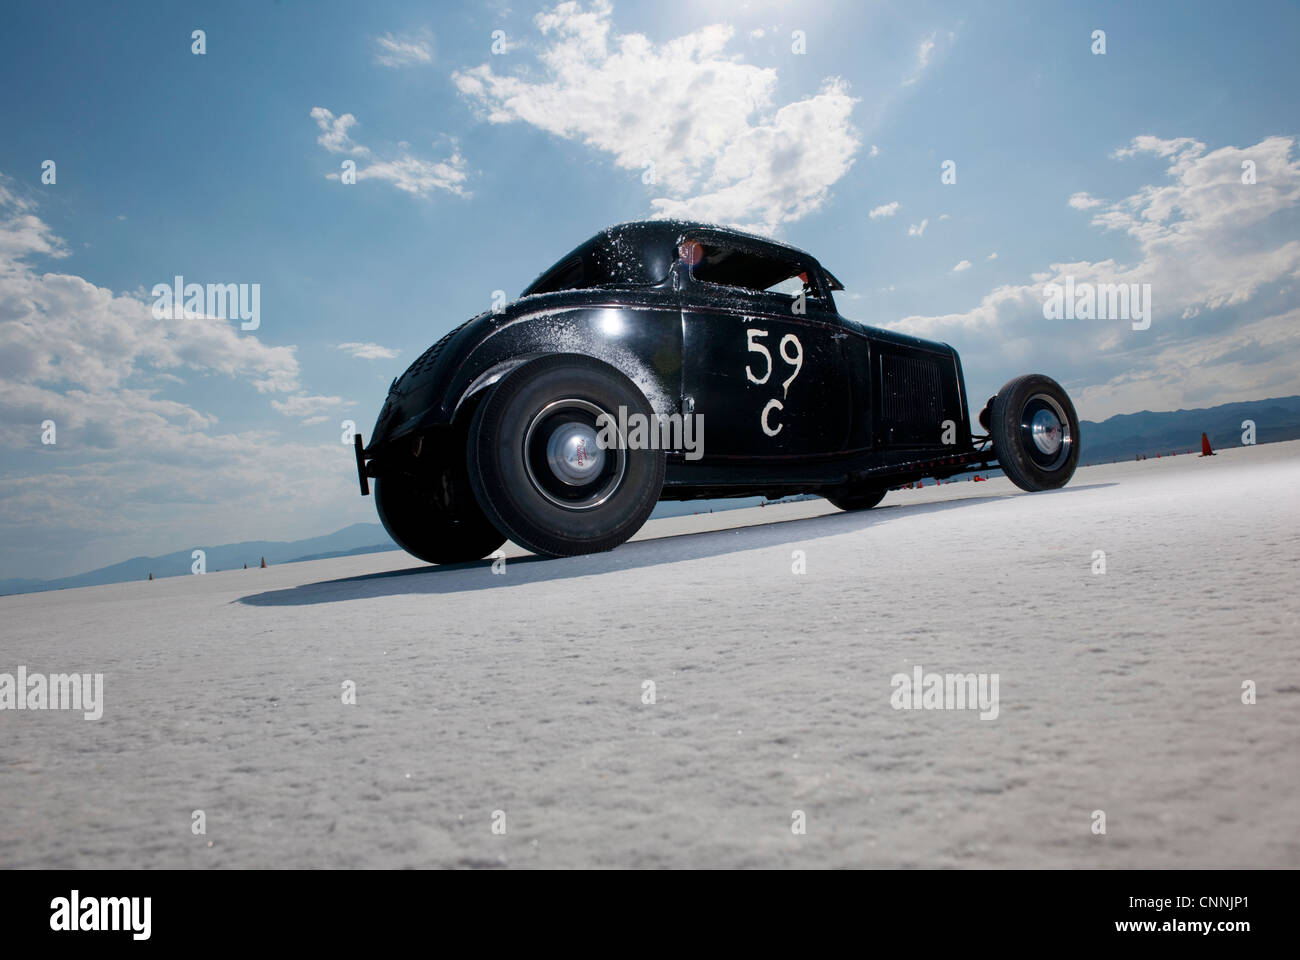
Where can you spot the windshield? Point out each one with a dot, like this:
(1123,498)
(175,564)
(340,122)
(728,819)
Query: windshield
(625,257)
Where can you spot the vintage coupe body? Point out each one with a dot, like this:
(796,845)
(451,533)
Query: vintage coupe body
(523,422)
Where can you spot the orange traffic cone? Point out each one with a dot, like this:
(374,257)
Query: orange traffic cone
(264,563)
(1206,450)
(151,576)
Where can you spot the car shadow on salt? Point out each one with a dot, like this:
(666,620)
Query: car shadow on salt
(462,577)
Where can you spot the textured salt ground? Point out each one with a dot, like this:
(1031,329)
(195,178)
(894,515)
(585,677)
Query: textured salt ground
(522,692)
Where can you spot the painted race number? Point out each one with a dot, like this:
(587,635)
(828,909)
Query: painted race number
(793,356)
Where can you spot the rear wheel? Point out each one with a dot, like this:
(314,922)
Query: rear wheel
(861,498)
(538,468)
(1035,433)
(429,509)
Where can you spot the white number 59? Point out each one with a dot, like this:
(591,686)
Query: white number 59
(795,359)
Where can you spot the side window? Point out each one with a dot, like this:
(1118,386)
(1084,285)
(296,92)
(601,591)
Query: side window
(792,286)
(737,267)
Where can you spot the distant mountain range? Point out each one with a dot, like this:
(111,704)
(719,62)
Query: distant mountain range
(1127,435)
(1122,437)
(358,538)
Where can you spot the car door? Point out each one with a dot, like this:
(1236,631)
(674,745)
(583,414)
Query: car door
(762,366)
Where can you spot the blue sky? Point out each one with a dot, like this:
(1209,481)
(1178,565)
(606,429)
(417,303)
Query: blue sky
(477,170)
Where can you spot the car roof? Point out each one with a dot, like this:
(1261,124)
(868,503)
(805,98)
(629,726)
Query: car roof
(671,229)
(666,232)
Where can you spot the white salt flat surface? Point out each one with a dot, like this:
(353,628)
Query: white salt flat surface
(523,693)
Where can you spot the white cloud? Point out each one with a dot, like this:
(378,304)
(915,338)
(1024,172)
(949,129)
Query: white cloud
(1160,148)
(404,171)
(874,152)
(369,351)
(133,470)
(963,265)
(1222,263)
(334,132)
(303,405)
(884,210)
(404,51)
(23,234)
(923,52)
(419,177)
(60,330)
(917,229)
(1084,201)
(722,149)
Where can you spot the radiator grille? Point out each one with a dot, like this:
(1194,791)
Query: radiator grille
(911,390)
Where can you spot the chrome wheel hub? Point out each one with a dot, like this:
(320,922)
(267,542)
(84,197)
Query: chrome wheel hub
(1045,429)
(573,455)
(565,463)
(1045,432)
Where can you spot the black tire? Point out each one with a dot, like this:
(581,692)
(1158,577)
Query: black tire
(586,501)
(861,498)
(1035,433)
(429,509)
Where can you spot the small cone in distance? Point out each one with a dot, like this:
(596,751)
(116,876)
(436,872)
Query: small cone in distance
(264,563)
(1206,450)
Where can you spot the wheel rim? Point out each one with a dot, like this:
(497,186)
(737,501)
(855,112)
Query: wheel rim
(1045,430)
(565,463)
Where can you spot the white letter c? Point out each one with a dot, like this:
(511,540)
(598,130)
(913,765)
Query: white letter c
(763,417)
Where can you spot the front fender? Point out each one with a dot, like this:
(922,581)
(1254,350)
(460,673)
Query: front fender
(488,378)
(641,339)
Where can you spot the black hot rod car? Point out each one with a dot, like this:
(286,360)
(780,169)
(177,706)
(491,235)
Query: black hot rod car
(667,360)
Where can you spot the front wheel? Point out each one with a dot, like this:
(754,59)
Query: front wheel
(1035,433)
(548,465)
(431,514)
